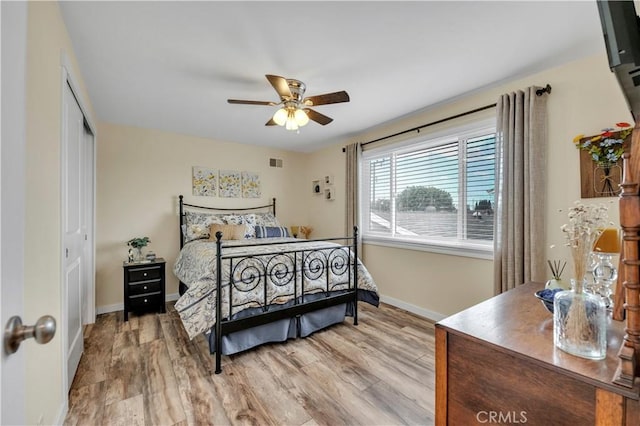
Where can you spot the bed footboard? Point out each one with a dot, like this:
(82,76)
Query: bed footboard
(309,279)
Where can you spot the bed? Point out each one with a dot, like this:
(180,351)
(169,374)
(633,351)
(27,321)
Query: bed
(272,287)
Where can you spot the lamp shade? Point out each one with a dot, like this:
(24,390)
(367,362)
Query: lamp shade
(609,241)
(291,124)
(301,117)
(280,117)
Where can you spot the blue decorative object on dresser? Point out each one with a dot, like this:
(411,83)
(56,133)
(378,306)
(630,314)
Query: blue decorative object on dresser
(546,297)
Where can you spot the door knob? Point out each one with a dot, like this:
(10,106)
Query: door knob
(14,333)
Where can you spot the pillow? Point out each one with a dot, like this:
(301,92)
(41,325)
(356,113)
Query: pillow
(271,232)
(197,225)
(195,232)
(235,219)
(229,232)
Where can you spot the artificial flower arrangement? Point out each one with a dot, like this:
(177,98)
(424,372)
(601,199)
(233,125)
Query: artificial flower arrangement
(606,148)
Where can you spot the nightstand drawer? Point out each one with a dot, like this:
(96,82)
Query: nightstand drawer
(144,274)
(144,287)
(153,299)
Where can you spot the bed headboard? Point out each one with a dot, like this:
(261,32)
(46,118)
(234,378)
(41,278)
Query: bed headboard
(271,206)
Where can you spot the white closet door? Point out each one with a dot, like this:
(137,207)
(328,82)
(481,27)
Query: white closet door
(73,199)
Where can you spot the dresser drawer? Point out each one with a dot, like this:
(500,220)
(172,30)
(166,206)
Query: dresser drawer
(147,300)
(144,287)
(144,274)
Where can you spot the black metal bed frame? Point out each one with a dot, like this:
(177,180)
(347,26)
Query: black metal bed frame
(280,268)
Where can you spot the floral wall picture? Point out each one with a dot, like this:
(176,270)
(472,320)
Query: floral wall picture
(230,184)
(204,181)
(250,185)
(600,160)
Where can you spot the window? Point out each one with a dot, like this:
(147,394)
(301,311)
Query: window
(436,192)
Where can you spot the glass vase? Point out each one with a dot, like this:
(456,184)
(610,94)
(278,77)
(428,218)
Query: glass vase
(137,254)
(580,322)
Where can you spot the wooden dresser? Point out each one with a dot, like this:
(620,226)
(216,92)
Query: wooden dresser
(496,364)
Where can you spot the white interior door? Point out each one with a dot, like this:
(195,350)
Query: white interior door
(73,200)
(88,189)
(12,203)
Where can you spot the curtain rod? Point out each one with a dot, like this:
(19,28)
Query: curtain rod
(539,92)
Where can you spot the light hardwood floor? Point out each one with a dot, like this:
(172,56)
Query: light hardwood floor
(147,371)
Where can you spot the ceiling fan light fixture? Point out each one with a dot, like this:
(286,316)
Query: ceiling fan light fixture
(293,112)
(291,124)
(281,116)
(301,117)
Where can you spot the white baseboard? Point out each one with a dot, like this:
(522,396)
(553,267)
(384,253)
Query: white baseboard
(120,306)
(426,313)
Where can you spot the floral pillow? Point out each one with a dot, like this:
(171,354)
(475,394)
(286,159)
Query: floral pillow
(195,232)
(197,225)
(234,219)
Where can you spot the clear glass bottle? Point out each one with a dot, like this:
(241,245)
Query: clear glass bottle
(605,274)
(580,322)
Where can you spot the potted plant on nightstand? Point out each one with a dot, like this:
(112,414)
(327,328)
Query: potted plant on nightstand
(136,244)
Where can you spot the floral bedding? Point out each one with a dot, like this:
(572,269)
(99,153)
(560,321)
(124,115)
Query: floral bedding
(257,264)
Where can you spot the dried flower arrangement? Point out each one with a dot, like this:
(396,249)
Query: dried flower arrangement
(576,327)
(586,223)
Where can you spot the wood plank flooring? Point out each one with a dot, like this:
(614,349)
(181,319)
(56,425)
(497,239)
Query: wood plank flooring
(147,372)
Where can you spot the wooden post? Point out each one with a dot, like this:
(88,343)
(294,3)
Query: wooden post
(629,354)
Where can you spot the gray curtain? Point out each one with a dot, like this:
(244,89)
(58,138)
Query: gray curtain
(519,221)
(352,206)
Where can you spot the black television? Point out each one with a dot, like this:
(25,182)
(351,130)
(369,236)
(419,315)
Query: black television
(621,30)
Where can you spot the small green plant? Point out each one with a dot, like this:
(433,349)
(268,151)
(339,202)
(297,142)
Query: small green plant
(138,242)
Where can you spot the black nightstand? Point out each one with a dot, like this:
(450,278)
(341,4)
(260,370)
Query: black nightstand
(144,286)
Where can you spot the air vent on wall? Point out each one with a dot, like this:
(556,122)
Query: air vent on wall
(275,162)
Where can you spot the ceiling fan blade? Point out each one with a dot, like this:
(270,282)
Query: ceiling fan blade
(327,98)
(317,117)
(271,123)
(281,85)
(240,101)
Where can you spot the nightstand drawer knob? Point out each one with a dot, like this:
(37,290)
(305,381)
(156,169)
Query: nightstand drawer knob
(145,287)
(145,300)
(144,275)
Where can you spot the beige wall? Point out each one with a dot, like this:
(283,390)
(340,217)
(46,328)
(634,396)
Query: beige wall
(47,38)
(140,174)
(585,99)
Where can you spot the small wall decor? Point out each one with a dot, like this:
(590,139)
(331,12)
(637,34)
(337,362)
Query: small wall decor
(316,188)
(230,184)
(204,181)
(250,185)
(600,163)
(329,194)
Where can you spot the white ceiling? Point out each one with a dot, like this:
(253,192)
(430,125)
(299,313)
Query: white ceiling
(172,65)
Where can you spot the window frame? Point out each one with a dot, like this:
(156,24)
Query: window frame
(461,134)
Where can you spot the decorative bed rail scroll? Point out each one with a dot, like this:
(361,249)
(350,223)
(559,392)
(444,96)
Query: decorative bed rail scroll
(629,353)
(291,269)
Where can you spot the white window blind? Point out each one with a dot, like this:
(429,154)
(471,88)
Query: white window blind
(436,192)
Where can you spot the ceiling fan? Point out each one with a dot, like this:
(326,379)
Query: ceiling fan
(295,111)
